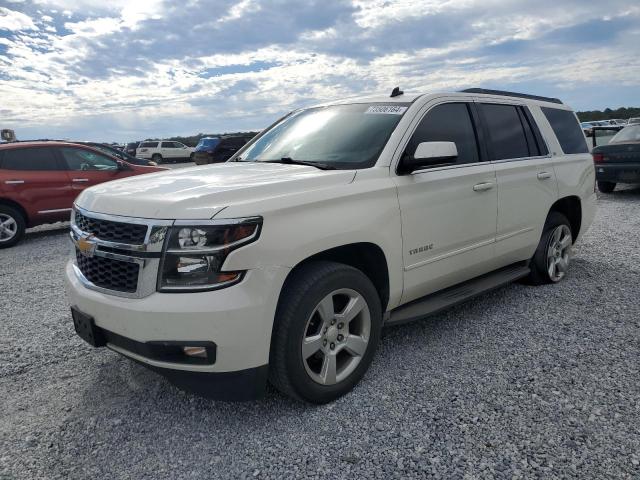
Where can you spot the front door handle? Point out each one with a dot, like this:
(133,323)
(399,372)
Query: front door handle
(13,182)
(544,175)
(481,187)
(80,179)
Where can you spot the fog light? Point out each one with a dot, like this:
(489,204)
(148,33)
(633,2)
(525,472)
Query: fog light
(199,352)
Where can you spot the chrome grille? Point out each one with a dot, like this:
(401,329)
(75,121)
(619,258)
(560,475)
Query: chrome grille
(117,255)
(111,231)
(109,273)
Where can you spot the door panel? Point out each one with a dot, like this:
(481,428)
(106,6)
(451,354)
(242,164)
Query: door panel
(526,178)
(33,178)
(448,212)
(448,228)
(526,190)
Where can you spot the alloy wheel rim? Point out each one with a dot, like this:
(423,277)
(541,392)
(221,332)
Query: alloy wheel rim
(8,227)
(336,336)
(558,253)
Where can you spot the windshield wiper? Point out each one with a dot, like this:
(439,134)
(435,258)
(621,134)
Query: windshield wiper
(291,161)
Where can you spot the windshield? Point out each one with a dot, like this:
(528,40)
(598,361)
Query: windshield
(627,134)
(342,136)
(208,142)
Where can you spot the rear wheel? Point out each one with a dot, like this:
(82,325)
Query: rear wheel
(326,331)
(156,157)
(553,255)
(12,226)
(606,187)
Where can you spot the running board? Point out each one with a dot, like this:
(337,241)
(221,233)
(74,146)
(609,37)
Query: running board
(425,306)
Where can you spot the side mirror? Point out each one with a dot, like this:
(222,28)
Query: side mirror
(429,154)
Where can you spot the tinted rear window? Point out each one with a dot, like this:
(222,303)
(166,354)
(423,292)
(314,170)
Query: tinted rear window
(566,127)
(29,159)
(507,137)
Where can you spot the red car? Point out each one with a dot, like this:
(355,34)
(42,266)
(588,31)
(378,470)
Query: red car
(40,180)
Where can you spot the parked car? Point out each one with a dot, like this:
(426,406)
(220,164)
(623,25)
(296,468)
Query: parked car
(119,154)
(619,160)
(130,148)
(633,121)
(40,180)
(587,128)
(216,150)
(284,262)
(164,151)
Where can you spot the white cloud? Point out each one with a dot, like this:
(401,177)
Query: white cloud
(140,65)
(15,21)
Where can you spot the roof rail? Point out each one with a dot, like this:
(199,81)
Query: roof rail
(503,93)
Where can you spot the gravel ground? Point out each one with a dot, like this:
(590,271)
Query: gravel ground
(522,383)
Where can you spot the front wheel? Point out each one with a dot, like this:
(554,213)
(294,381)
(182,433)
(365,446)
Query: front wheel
(326,331)
(606,187)
(551,260)
(12,226)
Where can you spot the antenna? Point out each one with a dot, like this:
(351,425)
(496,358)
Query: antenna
(396,92)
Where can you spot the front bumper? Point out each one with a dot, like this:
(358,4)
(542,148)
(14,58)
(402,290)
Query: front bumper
(618,173)
(238,320)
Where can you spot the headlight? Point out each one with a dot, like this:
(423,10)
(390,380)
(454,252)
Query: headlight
(194,254)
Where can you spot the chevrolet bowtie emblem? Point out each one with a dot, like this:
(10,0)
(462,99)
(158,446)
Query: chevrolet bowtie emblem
(87,245)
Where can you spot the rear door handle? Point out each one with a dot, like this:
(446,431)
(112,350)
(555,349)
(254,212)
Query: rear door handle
(544,175)
(80,179)
(13,182)
(481,187)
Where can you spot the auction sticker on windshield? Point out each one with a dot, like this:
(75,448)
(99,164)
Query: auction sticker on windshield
(386,109)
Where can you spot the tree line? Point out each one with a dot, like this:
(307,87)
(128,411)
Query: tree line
(192,140)
(609,114)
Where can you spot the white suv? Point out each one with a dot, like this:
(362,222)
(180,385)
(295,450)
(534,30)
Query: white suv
(164,151)
(284,263)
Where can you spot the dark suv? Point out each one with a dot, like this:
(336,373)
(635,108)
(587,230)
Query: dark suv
(214,150)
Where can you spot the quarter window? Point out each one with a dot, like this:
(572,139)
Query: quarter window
(29,159)
(449,122)
(148,145)
(507,138)
(565,125)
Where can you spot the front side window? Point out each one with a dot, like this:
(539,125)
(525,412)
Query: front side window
(565,125)
(341,136)
(80,159)
(449,122)
(507,138)
(35,158)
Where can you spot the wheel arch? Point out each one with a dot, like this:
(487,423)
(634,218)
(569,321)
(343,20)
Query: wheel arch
(18,207)
(570,207)
(367,257)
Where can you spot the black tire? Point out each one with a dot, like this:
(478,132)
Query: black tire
(191,157)
(156,157)
(539,272)
(303,291)
(606,187)
(10,213)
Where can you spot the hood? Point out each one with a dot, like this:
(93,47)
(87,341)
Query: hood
(202,192)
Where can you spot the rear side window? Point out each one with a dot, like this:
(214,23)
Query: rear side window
(507,137)
(567,130)
(449,122)
(29,159)
(149,145)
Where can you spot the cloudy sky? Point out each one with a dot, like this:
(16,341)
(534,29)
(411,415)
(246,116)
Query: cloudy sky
(116,70)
